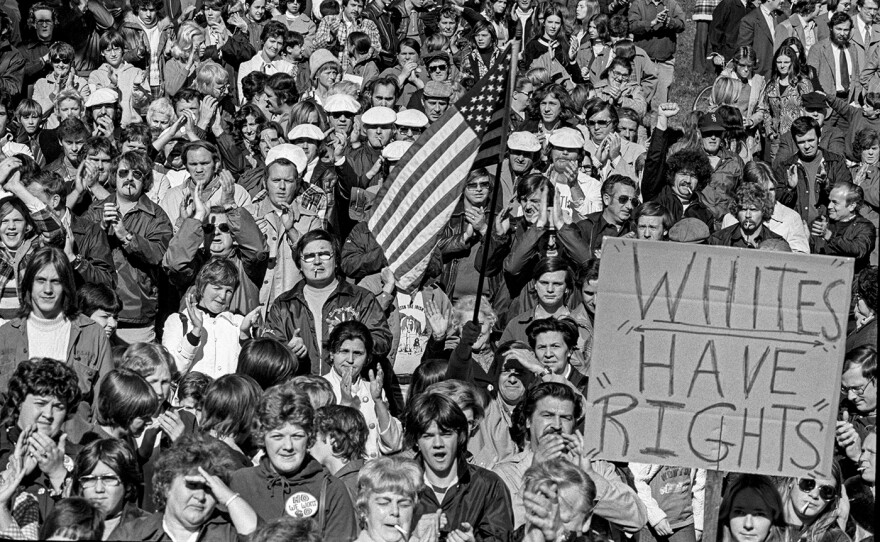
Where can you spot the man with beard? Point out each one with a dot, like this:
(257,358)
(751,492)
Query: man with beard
(139,232)
(523,153)
(807,177)
(620,198)
(752,207)
(204,165)
(543,428)
(727,166)
(836,60)
(472,500)
(844,232)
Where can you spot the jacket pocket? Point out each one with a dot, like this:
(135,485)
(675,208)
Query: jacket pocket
(87,375)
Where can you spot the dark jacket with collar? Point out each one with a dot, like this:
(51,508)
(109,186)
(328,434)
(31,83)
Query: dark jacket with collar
(798,198)
(594,228)
(833,140)
(148,453)
(96,261)
(732,236)
(853,239)
(479,498)
(754,32)
(268,493)
(139,263)
(290,311)
(655,186)
(724,28)
(218,528)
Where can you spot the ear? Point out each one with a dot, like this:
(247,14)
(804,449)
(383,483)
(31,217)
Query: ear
(606,199)
(586,527)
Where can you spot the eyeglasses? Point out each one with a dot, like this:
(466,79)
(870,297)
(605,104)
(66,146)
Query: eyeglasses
(123,173)
(478,186)
(43,22)
(858,390)
(623,200)
(222,227)
(826,493)
(312,258)
(526,94)
(438,68)
(601,122)
(620,75)
(88,482)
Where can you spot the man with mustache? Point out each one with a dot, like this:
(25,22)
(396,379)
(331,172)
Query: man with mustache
(139,232)
(753,207)
(543,428)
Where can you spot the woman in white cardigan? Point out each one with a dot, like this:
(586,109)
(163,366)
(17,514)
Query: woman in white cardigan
(206,338)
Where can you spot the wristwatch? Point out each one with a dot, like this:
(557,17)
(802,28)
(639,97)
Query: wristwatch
(128,238)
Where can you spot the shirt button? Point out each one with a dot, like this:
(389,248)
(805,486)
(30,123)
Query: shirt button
(372,426)
(374,455)
(365,399)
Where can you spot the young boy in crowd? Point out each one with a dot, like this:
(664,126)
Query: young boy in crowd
(341,443)
(116,73)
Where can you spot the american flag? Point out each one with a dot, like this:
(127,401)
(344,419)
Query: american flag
(416,201)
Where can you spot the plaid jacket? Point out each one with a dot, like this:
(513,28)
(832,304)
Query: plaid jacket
(324,38)
(47,226)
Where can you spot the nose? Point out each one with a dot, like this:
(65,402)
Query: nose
(749,522)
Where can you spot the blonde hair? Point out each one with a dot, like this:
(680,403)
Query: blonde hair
(539,76)
(345,87)
(70,94)
(208,75)
(183,45)
(158,106)
(463,310)
(388,474)
(726,91)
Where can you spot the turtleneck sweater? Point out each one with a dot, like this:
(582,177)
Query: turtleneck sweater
(48,338)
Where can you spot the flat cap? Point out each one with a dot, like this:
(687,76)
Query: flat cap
(341,103)
(306,131)
(523,141)
(412,118)
(394,151)
(102,96)
(379,116)
(290,152)
(567,138)
(437,89)
(812,101)
(689,230)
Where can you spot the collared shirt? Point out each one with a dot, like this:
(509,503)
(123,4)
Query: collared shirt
(838,80)
(863,29)
(809,32)
(768,18)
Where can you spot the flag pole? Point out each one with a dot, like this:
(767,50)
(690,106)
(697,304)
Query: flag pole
(505,123)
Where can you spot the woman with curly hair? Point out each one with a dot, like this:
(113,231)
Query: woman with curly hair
(781,99)
(191,480)
(288,480)
(43,394)
(551,107)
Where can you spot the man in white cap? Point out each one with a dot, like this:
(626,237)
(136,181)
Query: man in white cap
(354,166)
(207,179)
(410,124)
(435,99)
(102,106)
(318,175)
(341,109)
(523,153)
(283,215)
(576,191)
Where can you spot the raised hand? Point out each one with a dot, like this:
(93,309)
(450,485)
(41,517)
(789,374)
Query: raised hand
(296,344)
(376,379)
(195,315)
(227,188)
(438,321)
(171,424)
(502,221)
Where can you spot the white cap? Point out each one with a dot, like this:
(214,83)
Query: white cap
(379,116)
(102,96)
(395,150)
(523,141)
(306,131)
(292,152)
(341,103)
(567,138)
(412,118)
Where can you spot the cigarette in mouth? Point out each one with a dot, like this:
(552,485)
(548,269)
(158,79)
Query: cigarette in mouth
(806,505)
(402,532)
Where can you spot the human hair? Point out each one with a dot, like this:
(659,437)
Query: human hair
(629,113)
(463,311)
(427,373)
(553,264)
(567,108)
(317,388)
(93,297)
(580,95)
(137,131)
(436,43)
(864,140)
(732,120)
(598,105)
(765,490)
(523,412)
(552,9)
(795,70)
(186,34)
(855,194)
(240,121)
(316,235)
(208,76)
(328,7)
(218,272)
(410,43)
(827,518)
(753,195)
(429,408)
(359,42)
(229,405)
(41,377)
(533,183)
(746,52)
(865,357)
(114,453)
(253,84)
(282,405)
(61,51)
(347,429)
(802,126)
(267,361)
(448,12)
(70,94)
(28,108)
(760,173)
(187,454)
(41,6)
(286,529)
(397,475)
(8,204)
(617,27)
(137,161)
(73,518)
(43,257)
(193,386)
(51,182)
(294,39)
(840,17)
(284,86)
(112,38)
(345,87)
(138,5)
(866,286)
(564,326)
(463,394)
(274,29)
(96,145)
(656,209)
(564,475)
(613,180)
(124,396)
(480,25)
(804,6)
(301,111)
(690,161)
(191,146)
(725,91)
(351,330)
(145,358)
(538,76)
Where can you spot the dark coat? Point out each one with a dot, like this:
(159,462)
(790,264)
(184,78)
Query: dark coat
(754,32)
(724,28)
(798,198)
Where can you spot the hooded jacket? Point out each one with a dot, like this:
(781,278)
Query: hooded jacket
(273,495)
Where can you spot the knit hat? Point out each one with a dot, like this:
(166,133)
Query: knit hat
(319,58)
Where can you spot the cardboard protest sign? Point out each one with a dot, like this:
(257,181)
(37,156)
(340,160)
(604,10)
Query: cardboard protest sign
(717,358)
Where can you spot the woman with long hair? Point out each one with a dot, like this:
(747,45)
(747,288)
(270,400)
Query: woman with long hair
(781,98)
(811,507)
(186,53)
(484,52)
(549,49)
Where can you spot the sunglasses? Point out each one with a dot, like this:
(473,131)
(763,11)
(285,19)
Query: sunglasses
(59,60)
(223,227)
(124,173)
(826,493)
(603,123)
(409,129)
(478,186)
(438,68)
(623,200)
(340,114)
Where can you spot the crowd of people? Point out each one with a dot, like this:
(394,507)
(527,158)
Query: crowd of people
(202,340)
